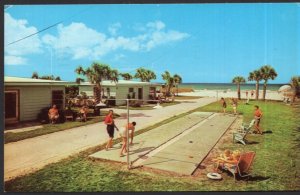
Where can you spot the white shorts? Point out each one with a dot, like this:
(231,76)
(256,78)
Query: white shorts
(123,132)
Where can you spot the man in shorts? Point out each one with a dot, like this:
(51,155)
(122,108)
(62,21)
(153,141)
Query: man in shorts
(110,128)
(257,116)
(123,133)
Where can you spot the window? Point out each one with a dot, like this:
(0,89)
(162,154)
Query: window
(58,98)
(131,90)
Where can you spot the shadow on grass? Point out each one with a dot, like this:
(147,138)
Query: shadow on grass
(257,178)
(247,178)
(267,132)
(251,142)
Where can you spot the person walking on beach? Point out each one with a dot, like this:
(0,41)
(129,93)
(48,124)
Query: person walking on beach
(123,133)
(252,94)
(247,97)
(224,105)
(234,105)
(109,121)
(257,116)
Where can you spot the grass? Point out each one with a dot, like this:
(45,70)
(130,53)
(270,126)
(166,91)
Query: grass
(149,106)
(51,128)
(276,165)
(187,97)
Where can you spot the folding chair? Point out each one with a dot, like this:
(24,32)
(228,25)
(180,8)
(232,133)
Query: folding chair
(243,166)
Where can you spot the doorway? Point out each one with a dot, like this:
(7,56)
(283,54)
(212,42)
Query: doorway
(11,106)
(140,93)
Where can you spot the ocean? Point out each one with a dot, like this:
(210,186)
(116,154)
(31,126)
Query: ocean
(225,86)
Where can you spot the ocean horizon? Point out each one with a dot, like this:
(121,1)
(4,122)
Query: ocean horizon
(226,86)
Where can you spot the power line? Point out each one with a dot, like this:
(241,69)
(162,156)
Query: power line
(34,33)
(48,26)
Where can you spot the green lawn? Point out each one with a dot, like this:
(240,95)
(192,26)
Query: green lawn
(149,106)
(187,97)
(51,128)
(276,166)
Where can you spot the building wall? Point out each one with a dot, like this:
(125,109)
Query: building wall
(89,90)
(33,98)
(123,91)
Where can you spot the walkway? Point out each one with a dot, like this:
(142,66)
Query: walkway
(32,154)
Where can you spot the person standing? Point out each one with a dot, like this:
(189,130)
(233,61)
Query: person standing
(224,105)
(123,132)
(252,94)
(257,116)
(110,127)
(234,105)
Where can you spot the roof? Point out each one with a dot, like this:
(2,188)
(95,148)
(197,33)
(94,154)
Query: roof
(123,83)
(12,81)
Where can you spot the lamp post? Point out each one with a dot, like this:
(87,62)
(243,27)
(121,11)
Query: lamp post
(128,161)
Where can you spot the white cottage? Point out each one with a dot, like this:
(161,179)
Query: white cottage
(25,97)
(122,89)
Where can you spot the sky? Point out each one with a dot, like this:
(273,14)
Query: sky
(203,43)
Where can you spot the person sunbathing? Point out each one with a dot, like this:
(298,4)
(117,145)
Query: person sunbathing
(227,155)
(234,161)
(83,113)
(227,159)
(53,114)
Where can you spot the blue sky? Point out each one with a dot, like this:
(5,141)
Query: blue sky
(201,42)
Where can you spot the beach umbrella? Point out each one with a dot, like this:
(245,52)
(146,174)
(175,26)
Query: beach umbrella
(285,88)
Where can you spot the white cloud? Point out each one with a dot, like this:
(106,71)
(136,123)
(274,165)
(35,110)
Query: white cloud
(159,38)
(80,41)
(14,60)
(157,25)
(14,30)
(114,28)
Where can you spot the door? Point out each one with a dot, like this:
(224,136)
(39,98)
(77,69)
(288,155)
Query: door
(140,93)
(11,106)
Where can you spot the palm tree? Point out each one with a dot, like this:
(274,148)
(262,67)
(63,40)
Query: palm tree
(255,76)
(35,75)
(96,73)
(169,82)
(238,80)
(113,75)
(177,80)
(267,72)
(295,83)
(144,75)
(126,76)
(150,75)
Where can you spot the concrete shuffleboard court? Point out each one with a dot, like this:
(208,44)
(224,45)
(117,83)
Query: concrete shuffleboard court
(184,155)
(150,140)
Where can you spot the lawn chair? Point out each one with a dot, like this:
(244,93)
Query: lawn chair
(241,134)
(245,128)
(243,165)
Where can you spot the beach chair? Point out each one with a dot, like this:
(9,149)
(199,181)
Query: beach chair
(241,134)
(246,128)
(243,166)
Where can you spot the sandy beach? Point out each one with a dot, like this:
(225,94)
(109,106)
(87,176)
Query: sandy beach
(271,95)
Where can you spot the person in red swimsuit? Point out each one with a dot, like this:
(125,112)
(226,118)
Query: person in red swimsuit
(257,116)
(109,121)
